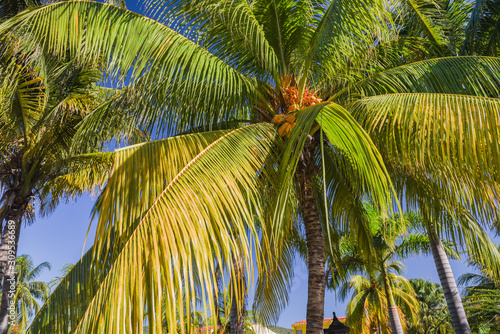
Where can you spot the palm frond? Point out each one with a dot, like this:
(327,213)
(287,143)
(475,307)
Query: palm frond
(140,173)
(346,135)
(65,306)
(187,83)
(424,11)
(349,26)
(274,281)
(183,212)
(466,231)
(466,75)
(81,173)
(436,131)
(226,28)
(482,34)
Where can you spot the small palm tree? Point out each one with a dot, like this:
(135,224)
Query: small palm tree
(369,310)
(433,316)
(29,292)
(392,237)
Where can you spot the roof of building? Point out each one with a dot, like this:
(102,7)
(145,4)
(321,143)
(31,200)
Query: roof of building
(303,322)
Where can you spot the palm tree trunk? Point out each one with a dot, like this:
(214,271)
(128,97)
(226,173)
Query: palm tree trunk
(8,253)
(453,300)
(316,259)
(239,289)
(396,327)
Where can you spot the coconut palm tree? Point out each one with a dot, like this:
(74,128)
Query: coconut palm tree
(369,311)
(28,291)
(42,101)
(253,104)
(393,237)
(433,314)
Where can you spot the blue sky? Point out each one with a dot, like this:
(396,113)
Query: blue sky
(59,239)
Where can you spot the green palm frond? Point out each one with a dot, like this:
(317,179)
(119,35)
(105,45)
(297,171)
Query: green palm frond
(226,28)
(9,8)
(482,34)
(182,209)
(435,131)
(346,26)
(112,119)
(346,210)
(286,25)
(416,243)
(346,135)
(424,11)
(23,97)
(478,76)
(164,65)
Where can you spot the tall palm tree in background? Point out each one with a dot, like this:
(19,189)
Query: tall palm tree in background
(393,237)
(455,219)
(259,109)
(28,291)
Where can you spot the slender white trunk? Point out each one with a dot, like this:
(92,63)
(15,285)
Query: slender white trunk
(453,300)
(395,320)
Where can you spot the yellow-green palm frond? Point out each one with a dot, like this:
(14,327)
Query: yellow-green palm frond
(435,131)
(186,81)
(182,208)
(81,173)
(451,75)
(162,255)
(229,27)
(65,306)
(140,174)
(346,26)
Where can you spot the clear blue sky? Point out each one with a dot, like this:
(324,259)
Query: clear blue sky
(60,237)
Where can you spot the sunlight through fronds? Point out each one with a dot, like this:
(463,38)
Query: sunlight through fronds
(436,131)
(184,81)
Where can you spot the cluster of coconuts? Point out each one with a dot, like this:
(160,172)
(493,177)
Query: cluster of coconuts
(291,95)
